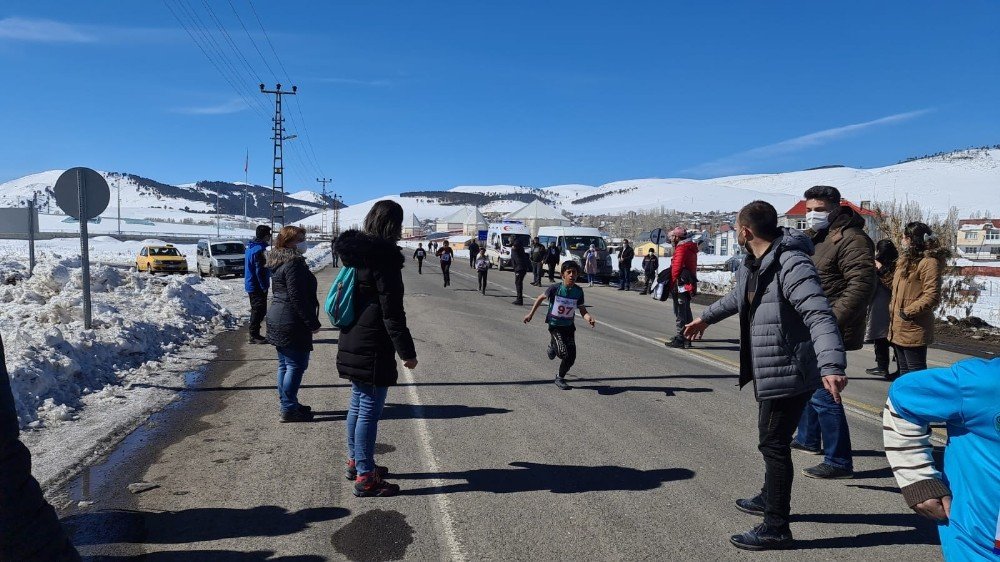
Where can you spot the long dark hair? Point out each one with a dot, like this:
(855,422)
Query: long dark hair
(921,238)
(385,220)
(886,252)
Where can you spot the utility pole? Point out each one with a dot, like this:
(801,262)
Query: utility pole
(322,227)
(278,174)
(336,214)
(119,184)
(217,218)
(246,182)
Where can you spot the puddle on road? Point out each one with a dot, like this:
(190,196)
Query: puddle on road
(374,536)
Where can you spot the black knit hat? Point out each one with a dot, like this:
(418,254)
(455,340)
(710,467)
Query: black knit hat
(263,232)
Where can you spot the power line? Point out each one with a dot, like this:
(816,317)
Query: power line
(230,40)
(252,42)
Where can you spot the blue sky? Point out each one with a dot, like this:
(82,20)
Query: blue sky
(397,96)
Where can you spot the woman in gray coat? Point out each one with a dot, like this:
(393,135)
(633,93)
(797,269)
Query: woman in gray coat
(886,255)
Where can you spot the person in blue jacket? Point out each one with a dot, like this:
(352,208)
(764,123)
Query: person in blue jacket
(257,280)
(965,499)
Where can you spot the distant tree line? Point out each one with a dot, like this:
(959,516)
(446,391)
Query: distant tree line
(598,196)
(475,199)
(950,153)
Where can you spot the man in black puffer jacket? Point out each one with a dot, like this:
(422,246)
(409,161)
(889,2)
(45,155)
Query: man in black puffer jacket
(292,319)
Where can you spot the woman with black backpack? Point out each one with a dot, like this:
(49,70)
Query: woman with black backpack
(367,350)
(292,318)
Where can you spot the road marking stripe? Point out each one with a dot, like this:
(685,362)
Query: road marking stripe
(454,547)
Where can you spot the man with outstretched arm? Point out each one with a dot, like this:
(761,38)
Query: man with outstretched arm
(789,343)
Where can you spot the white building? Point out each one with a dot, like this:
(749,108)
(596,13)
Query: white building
(724,242)
(979,239)
(537,214)
(412,228)
(466,220)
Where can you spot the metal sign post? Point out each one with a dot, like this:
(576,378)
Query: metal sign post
(83,194)
(32,217)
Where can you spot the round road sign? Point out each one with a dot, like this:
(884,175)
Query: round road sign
(96,191)
(657,236)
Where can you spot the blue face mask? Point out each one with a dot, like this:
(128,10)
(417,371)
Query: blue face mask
(301,247)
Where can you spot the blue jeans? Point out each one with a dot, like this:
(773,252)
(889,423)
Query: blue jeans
(367,402)
(824,420)
(292,364)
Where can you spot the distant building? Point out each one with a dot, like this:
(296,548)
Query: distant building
(537,214)
(412,228)
(662,250)
(466,220)
(724,242)
(796,217)
(979,239)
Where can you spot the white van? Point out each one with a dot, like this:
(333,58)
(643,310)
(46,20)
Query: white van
(221,257)
(500,236)
(574,241)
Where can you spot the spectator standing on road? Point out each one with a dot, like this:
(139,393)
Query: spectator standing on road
(537,262)
(590,264)
(366,353)
(564,300)
(335,259)
(625,267)
(521,263)
(482,269)
(446,255)
(683,282)
(650,266)
(916,292)
(473,253)
(292,319)
(845,259)
(877,332)
(257,280)
(419,254)
(552,260)
(965,500)
(29,527)
(789,341)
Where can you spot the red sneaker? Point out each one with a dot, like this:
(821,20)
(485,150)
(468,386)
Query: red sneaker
(372,485)
(351,472)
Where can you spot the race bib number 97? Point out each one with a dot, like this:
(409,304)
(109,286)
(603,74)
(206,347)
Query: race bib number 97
(563,307)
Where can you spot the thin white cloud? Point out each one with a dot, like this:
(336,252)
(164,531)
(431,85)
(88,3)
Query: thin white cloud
(43,31)
(356,82)
(235,105)
(742,161)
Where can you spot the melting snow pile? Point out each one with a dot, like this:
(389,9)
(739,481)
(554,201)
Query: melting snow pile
(53,361)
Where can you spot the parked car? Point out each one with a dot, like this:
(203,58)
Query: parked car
(500,237)
(219,258)
(574,241)
(161,259)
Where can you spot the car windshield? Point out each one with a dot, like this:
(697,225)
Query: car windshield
(228,248)
(582,243)
(508,239)
(164,252)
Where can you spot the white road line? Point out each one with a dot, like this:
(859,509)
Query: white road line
(430,461)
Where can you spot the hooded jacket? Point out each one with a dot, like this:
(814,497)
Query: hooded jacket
(519,259)
(684,267)
(294,311)
(256,277)
(845,260)
(366,352)
(792,337)
(916,292)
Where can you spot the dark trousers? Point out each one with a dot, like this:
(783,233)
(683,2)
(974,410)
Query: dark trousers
(472,259)
(519,284)
(682,311)
(536,272)
(624,275)
(563,338)
(482,280)
(258,310)
(29,528)
(446,272)
(420,265)
(776,420)
(649,283)
(552,272)
(882,353)
(911,358)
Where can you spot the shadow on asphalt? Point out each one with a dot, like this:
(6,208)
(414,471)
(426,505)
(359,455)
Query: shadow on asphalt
(409,412)
(607,390)
(921,530)
(192,525)
(203,555)
(557,479)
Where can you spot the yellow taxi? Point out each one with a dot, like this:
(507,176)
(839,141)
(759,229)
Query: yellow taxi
(166,259)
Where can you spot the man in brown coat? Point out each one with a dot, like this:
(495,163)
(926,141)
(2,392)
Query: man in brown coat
(845,260)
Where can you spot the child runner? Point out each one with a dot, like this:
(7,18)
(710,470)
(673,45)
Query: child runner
(419,255)
(482,264)
(564,299)
(446,254)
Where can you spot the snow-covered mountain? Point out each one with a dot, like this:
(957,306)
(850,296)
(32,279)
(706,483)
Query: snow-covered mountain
(146,198)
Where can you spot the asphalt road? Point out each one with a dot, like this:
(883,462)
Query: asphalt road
(642,459)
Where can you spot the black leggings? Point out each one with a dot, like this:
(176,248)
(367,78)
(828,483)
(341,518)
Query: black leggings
(564,340)
(446,272)
(482,280)
(911,358)
(519,284)
(420,265)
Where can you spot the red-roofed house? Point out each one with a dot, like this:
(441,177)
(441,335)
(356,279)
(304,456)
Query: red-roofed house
(979,239)
(796,217)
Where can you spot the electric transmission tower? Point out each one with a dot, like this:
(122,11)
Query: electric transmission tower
(278,176)
(322,227)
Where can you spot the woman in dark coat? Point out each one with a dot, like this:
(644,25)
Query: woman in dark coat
(292,318)
(886,255)
(367,350)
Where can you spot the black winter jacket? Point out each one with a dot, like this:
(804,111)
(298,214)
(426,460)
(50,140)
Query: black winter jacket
(519,259)
(294,310)
(367,350)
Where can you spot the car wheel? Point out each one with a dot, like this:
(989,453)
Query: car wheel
(212,272)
